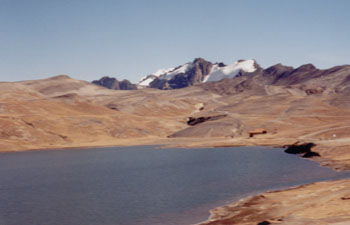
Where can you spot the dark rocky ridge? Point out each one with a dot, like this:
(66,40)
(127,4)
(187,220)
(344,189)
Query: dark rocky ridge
(306,78)
(112,83)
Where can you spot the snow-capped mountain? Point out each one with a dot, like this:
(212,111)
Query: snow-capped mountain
(221,72)
(198,71)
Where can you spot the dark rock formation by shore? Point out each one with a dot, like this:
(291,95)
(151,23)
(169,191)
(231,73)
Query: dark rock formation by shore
(302,149)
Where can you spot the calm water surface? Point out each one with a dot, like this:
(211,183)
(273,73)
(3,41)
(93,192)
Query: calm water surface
(140,185)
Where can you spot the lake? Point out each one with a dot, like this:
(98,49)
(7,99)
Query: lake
(141,185)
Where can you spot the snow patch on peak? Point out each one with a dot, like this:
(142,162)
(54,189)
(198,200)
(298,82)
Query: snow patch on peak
(146,80)
(181,69)
(246,65)
(165,74)
(218,73)
(162,71)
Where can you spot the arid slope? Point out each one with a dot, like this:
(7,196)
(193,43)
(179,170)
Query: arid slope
(63,112)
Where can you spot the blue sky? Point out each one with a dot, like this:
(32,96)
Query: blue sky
(128,39)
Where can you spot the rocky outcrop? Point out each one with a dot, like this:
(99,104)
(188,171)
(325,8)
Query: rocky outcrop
(264,223)
(196,120)
(314,91)
(302,149)
(113,83)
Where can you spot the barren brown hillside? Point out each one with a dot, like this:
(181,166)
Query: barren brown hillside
(64,112)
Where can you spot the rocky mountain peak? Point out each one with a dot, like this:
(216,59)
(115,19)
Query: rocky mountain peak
(113,83)
(199,60)
(306,67)
(278,69)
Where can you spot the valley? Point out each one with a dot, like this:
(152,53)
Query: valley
(294,107)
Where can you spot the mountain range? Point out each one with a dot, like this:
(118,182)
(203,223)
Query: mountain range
(201,71)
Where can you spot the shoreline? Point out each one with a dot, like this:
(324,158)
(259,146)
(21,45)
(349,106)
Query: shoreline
(274,208)
(333,154)
(165,142)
